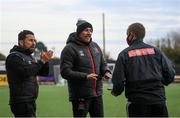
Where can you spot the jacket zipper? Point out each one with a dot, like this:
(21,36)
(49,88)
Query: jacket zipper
(93,69)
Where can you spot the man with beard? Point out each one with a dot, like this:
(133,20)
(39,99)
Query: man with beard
(22,69)
(83,66)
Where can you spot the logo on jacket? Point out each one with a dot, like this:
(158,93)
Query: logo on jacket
(29,62)
(81,53)
(141,52)
(96,50)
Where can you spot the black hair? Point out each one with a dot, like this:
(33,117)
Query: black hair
(138,29)
(22,34)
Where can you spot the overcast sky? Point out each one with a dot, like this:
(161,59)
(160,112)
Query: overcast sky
(53,20)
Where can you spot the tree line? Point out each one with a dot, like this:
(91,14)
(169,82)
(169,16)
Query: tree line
(170,45)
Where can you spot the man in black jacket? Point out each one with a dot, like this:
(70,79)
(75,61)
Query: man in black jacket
(22,69)
(143,70)
(83,66)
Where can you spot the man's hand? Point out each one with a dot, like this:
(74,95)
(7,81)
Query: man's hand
(111,90)
(107,75)
(46,56)
(92,76)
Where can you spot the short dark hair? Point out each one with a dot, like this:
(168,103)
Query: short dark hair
(138,29)
(22,34)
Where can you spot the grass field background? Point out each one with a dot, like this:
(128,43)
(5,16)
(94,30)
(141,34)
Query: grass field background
(53,102)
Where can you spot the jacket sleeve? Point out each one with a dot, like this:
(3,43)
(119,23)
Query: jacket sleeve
(168,71)
(67,61)
(103,66)
(118,78)
(22,68)
(44,71)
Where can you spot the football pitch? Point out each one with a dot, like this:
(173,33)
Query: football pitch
(53,102)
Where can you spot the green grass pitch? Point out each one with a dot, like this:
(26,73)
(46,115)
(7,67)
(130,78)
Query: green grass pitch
(53,102)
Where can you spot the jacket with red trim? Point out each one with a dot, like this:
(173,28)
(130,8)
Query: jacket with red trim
(77,61)
(142,70)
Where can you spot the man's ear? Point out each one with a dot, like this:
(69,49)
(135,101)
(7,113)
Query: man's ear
(20,42)
(130,36)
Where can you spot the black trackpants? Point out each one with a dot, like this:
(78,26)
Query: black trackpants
(24,109)
(147,110)
(92,105)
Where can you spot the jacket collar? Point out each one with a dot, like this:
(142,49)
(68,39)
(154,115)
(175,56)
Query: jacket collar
(136,41)
(73,38)
(20,49)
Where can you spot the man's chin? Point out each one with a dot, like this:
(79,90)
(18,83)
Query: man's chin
(88,40)
(32,49)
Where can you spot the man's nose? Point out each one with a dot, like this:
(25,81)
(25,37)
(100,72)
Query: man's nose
(89,32)
(34,42)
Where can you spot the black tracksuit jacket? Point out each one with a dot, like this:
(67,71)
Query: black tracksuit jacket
(78,60)
(22,70)
(143,70)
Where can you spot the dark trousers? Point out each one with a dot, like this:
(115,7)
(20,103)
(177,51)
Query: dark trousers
(92,105)
(144,110)
(24,109)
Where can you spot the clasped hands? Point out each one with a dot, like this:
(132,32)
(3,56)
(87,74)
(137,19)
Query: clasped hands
(94,76)
(46,56)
